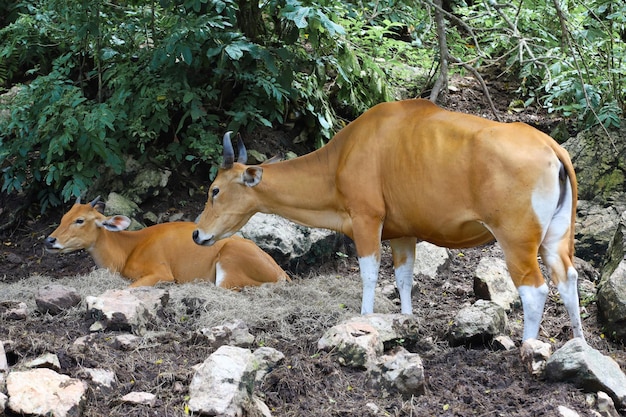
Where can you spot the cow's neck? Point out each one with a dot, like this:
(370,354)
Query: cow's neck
(303,190)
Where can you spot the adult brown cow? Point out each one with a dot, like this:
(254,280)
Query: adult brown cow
(161,253)
(410,170)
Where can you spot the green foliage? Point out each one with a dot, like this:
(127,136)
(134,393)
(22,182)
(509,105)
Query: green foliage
(163,81)
(570,61)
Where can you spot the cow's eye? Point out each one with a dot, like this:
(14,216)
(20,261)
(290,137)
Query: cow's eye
(214,192)
(79,221)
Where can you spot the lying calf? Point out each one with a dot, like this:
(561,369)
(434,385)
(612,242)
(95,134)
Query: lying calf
(163,252)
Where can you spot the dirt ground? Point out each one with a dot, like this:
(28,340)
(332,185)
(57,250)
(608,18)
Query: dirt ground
(460,381)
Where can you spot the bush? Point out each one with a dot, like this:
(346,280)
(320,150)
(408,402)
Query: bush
(163,81)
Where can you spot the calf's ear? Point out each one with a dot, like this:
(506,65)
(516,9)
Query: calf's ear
(115,223)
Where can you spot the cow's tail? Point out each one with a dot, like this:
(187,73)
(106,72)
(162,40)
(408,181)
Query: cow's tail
(567,179)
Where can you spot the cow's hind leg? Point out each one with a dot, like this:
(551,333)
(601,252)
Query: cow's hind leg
(403,251)
(556,253)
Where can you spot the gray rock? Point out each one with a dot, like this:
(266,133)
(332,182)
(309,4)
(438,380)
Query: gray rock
(430,259)
(133,309)
(477,324)
(603,162)
(45,392)
(47,360)
(401,371)
(534,355)
(587,368)
(359,341)
(234,334)
(295,248)
(595,228)
(101,378)
(612,303)
(118,204)
(493,282)
(224,384)
(13,310)
(140,398)
(4,364)
(54,298)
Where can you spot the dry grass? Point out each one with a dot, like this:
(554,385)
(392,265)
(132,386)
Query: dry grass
(284,310)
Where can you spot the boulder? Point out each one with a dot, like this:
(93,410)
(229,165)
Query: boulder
(595,227)
(54,298)
(600,163)
(493,282)
(295,248)
(578,362)
(477,324)
(45,392)
(132,309)
(612,303)
(357,342)
(224,383)
(612,287)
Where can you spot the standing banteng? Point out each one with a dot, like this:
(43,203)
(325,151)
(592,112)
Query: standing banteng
(410,170)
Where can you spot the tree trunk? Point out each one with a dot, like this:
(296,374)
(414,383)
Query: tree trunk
(441,85)
(250,20)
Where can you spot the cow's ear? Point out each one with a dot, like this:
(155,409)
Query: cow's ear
(252,176)
(115,223)
(99,206)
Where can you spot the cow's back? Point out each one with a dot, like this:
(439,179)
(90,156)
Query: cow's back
(439,175)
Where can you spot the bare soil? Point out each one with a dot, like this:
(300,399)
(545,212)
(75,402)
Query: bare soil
(460,381)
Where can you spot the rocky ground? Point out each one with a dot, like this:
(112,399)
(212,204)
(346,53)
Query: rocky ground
(461,381)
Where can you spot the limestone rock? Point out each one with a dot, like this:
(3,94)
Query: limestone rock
(45,392)
(578,362)
(402,371)
(430,259)
(477,324)
(141,398)
(534,354)
(360,340)
(296,248)
(133,309)
(13,310)
(224,384)
(54,298)
(234,334)
(492,282)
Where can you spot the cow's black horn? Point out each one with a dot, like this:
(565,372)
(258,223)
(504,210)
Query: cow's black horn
(242,158)
(229,153)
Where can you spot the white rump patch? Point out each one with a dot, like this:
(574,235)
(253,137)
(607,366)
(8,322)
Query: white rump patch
(545,201)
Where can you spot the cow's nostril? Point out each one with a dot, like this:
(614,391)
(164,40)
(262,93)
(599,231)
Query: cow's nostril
(195,235)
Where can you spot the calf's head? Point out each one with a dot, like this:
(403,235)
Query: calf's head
(80,227)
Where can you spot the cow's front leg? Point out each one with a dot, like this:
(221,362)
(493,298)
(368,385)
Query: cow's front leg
(366,237)
(403,251)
